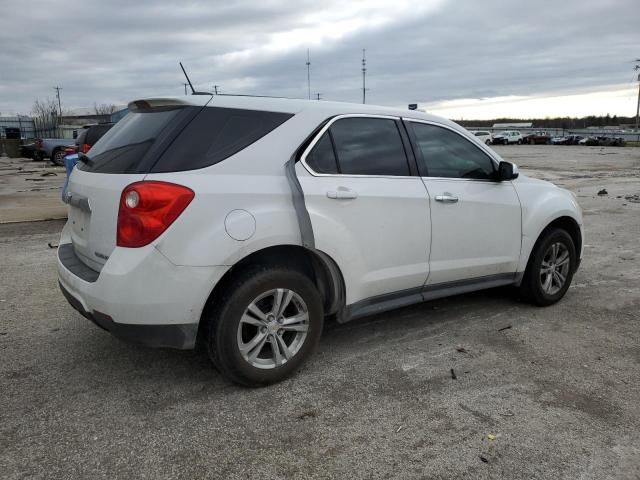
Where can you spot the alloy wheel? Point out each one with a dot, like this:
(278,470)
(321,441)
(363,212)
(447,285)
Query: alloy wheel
(554,268)
(273,328)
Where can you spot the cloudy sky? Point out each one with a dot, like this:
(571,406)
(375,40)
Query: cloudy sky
(459,58)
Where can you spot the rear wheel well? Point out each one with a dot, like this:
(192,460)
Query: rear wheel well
(319,267)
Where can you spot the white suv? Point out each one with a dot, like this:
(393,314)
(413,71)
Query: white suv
(241,223)
(508,137)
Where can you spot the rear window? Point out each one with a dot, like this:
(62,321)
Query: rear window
(123,148)
(178,139)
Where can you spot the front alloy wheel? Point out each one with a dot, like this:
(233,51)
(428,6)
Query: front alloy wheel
(273,328)
(550,269)
(554,268)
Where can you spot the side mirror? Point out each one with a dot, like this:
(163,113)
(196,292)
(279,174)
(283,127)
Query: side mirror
(507,171)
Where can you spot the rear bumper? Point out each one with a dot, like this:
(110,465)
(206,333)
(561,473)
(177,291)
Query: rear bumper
(140,296)
(182,337)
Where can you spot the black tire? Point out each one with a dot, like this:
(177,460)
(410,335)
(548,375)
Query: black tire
(38,156)
(224,323)
(488,142)
(519,142)
(57,157)
(531,287)
(506,142)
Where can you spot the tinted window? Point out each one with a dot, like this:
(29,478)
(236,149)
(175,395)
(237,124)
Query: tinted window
(321,158)
(216,134)
(122,149)
(369,146)
(81,137)
(448,154)
(96,132)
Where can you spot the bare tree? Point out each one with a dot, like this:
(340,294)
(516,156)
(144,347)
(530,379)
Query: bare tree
(104,109)
(45,111)
(45,116)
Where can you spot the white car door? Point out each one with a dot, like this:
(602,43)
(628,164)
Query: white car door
(368,207)
(475,220)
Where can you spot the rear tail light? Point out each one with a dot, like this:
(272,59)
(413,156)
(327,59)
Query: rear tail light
(147,209)
(85,147)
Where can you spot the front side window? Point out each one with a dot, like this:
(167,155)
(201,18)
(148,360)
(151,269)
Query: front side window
(447,154)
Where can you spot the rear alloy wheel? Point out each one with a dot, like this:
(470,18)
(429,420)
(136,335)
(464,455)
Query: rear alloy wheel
(265,326)
(273,328)
(58,157)
(550,269)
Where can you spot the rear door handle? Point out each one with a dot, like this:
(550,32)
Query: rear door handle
(446,197)
(342,194)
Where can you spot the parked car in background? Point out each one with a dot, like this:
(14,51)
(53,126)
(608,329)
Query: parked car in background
(537,138)
(28,150)
(52,148)
(484,136)
(89,135)
(567,140)
(604,141)
(611,141)
(245,239)
(508,137)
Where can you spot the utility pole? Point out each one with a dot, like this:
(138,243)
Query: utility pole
(317,95)
(636,68)
(57,89)
(364,73)
(185,87)
(308,76)
(215,89)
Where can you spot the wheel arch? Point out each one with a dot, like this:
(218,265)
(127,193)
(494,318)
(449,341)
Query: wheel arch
(565,222)
(317,265)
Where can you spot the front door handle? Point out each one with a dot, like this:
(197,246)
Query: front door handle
(446,197)
(342,194)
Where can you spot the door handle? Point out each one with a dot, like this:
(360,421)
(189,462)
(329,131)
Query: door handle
(342,194)
(446,197)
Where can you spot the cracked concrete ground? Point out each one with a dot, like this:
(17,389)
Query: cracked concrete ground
(555,395)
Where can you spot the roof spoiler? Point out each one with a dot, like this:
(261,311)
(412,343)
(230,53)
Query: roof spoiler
(147,103)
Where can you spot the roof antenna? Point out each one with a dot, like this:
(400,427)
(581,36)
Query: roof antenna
(193,92)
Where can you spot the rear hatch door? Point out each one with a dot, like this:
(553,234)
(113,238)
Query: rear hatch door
(122,156)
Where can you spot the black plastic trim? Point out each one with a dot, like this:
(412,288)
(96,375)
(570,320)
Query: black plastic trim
(411,296)
(179,336)
(71,261)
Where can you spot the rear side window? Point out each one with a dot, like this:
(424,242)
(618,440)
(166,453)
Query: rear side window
(369,146)
(216,134)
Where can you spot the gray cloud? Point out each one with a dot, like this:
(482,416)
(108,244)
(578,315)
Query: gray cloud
(119,50)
